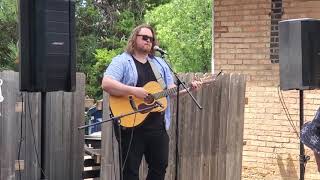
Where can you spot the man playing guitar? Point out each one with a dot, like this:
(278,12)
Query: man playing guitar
(128,78)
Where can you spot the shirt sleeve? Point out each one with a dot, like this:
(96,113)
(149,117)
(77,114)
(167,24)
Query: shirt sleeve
(169,77)
(115,69)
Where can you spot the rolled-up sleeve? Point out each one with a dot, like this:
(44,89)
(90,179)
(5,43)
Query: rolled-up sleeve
(115,69)
(169,77)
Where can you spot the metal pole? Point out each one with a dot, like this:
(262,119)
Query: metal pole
(302,156)
(177,133)
(43,136)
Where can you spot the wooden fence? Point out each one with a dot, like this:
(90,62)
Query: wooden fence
(20,131)
(210,141)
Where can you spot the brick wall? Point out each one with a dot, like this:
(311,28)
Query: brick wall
(242,38)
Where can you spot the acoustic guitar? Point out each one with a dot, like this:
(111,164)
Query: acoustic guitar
(156,101)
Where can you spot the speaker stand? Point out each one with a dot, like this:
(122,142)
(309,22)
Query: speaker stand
(43,136)
(303,158)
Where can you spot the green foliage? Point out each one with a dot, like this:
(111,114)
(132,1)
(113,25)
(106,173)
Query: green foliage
(103,57)
(89,20)
(90,31)
(185,32)
(104,28)
(8,34)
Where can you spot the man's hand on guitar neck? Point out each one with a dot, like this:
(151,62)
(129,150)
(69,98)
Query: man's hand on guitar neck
(196,85)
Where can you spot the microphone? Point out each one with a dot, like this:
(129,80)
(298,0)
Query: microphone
(157,48)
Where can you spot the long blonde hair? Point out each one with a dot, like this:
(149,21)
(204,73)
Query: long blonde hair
(132,39)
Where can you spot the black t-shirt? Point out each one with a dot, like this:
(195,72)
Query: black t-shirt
(155,120)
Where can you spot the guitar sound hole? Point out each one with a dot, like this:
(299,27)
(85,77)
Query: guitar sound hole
(149,99)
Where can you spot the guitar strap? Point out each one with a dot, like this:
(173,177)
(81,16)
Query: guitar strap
(157,75)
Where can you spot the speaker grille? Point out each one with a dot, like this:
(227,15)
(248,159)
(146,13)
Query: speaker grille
(47,45)
(300,54)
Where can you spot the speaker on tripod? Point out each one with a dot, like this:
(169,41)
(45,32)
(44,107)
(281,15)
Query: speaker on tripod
(47,45)
(300,64)
(299,54)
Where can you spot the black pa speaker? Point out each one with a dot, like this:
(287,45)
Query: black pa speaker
(47,45)
(299,54)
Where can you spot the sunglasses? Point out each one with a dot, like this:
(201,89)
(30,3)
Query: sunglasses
(146,38)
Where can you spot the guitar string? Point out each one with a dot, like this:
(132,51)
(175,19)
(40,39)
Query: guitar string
(174,90)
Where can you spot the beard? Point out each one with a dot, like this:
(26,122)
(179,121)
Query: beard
(144,49)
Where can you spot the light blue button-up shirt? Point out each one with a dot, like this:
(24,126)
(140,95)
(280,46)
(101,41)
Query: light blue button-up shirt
(123,69)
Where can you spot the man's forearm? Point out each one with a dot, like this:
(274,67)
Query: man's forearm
(115,88)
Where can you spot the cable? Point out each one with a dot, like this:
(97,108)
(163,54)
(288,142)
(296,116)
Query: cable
(120,151)
(130,142)
(112,146)
(33,136)
(287,112)
(21,138)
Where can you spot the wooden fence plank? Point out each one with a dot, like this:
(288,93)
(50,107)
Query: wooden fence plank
(77,137)
(205,132)
(223,126)
(110,155)
(172,137)
(10,122)
(215,128)
(32,141)
(235,127)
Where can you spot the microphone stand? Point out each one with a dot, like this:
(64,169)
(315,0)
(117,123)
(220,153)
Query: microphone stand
(117,120)
(121,116)
(179,82)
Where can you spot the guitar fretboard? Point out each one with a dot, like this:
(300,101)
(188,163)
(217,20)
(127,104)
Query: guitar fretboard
(167,92)
(171,91)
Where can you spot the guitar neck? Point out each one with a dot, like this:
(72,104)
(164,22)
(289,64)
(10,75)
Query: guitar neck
(174,90)
(168,92)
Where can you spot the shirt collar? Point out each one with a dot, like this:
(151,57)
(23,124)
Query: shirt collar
(129,57)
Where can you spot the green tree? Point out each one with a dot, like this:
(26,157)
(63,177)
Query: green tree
(8,34)
(102,29)
(116,20)
(121,16)
(185,32)
(90,31)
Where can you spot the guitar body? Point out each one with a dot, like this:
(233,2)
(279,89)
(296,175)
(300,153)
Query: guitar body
(121,105)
